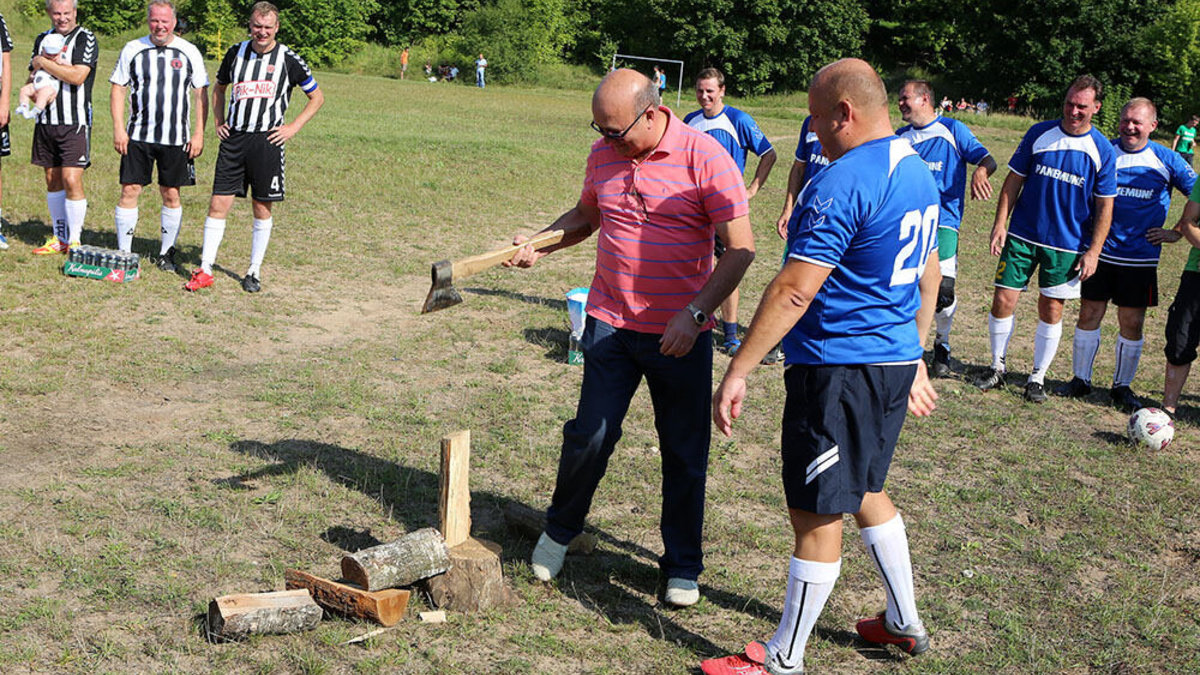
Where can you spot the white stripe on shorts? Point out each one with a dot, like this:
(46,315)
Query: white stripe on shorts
(821,463)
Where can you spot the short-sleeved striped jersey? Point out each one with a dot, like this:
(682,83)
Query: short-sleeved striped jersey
(261,84)
(159,79)
(6,43)
(654,248)
(73,105)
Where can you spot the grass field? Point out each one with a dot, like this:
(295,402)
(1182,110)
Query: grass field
(158,449)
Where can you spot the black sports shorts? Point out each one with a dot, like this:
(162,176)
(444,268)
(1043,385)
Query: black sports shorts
(249,160)
(175,168)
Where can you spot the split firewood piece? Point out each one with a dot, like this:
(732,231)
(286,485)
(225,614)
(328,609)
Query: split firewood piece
(454,497)
(384,607)
(532,523)
(231,617)
(415,556)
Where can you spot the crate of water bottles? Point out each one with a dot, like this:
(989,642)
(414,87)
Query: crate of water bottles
(93,262)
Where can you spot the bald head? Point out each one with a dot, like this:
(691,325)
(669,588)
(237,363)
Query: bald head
(852,80)
(625,110)
(848,103)
(627,89)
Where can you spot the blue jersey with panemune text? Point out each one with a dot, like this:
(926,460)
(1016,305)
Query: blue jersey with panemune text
(733,129)
(947,146)
(1063,176)
(871,217)
(1144,182)
(808,149)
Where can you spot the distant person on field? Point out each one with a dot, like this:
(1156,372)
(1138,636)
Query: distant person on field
(947,104)
(737,132)
(1060,195)
(661,78)
(1183,319)
(259,75)
(981,107)
(6,47)
(43,88)
(1012,104)
(1185,139)
(480,67)
(403,63)
(947,146)
(453,74)
(648,311)
(156,72)
(1127,273)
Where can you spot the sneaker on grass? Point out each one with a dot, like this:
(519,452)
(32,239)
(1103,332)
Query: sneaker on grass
(877,631)
(53,246)
(200,279)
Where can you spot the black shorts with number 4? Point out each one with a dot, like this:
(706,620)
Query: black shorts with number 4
(249,160)
(1125,286)
(175,168)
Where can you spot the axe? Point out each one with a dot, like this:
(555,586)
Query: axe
(444,272)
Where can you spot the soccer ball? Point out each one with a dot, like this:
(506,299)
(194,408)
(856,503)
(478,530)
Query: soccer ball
(1152,428)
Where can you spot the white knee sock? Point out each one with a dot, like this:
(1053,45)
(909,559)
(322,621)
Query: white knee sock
(809,586)
(170,220)
(1083,353)
(887,544)
(126,220)
(258,244)
(214,231)
(999,333)
(945,321)
(56,202)
(76,213)
(1045,346)
(1129,352)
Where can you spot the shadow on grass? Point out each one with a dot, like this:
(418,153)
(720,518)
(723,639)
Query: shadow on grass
(1111,437)
(34,233)
(553,339)
(554,303)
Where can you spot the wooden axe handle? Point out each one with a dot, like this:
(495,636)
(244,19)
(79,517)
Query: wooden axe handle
(476,264)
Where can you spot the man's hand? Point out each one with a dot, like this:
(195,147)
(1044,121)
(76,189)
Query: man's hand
(222,130)
(999,235)
(981,187)
(1161,235)
(121,141)
(751,190)
(781,225)
(281,134)
(526,256)
(727,403)
(922,396)
(680,335)
(195,146)
(1087,265)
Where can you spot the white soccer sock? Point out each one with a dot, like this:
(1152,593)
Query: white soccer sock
(1045,346)
(1129,352)
(1083,353)
(887,544)
(809,586)
(56,202)
(214,231)
(945,321)
(999,333)
(258,244)
(76,213)
(169,219)
(126,220)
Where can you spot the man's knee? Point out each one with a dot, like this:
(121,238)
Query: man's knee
(945,296)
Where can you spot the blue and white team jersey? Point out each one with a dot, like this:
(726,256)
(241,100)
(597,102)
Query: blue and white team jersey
(871,217)
(808,149)
(736,131)
(947,146)
(1144,182)
(1063,173)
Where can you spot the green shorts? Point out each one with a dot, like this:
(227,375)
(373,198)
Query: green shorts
(948,251)
(1057,275)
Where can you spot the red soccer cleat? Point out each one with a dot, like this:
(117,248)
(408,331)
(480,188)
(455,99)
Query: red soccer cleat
(750,662)
(200,279)
(876,630)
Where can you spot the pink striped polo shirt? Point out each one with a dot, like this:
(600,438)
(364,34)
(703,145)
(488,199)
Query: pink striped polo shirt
(654,248)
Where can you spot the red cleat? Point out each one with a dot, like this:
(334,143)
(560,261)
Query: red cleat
(876,630)
(200,279)
(750,662)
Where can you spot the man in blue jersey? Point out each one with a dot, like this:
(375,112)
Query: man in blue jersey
(1127,273)
(737,132)
(947,146)
(853,305)
(1060,195)
(809,161)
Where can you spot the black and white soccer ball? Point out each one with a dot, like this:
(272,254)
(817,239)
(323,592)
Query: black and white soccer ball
(1152,428)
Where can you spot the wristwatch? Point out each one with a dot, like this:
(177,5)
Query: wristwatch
(698,314)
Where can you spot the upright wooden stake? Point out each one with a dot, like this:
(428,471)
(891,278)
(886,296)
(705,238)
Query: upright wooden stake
(454,502)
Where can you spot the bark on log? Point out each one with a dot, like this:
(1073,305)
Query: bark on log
(415,556)
(475,580)
(532,523)
(231,617)
(383,607)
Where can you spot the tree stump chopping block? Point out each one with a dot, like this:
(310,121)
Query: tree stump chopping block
(475,580)
(385,607)
(415,556)
(231,617)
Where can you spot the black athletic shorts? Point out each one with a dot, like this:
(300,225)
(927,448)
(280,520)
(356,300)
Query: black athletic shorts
(175,168)
(249,160)
(840,425)
(61,145)
(1183,321)
(718,247)
(5,143)
(1124,286)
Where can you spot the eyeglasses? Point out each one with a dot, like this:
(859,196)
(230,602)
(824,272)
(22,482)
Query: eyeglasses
(616,137)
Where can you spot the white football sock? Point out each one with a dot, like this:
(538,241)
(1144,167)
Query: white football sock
(809,586)
(56,202)
(258,244)
(999,333)
(1129,352)
(887,544)
(1083,353)
(76,213)
(169,219)
(945,321)
(1045,346)
(126,220)
(214,231)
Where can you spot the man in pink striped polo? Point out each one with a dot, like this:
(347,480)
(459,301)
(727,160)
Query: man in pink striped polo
(656,191)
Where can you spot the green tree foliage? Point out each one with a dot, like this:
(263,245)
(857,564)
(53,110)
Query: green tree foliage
(324,31)
(403,22)
(1171,59)
(516,36)
(214,26)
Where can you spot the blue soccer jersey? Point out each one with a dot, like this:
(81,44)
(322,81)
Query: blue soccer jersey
(947,146)
(1063,174)
(871,217)
(1144,182)
(808,149)
(733,129)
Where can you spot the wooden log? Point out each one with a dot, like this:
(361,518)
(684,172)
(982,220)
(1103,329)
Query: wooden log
(231,617)
(530,522)
(415,556)
(384,607)
(454,499)
(475,580)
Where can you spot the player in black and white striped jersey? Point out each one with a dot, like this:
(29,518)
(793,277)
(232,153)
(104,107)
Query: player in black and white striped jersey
(157,71)
(6,47)
(258,75)
(62,136)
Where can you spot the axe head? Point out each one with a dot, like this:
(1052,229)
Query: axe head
(441,293)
